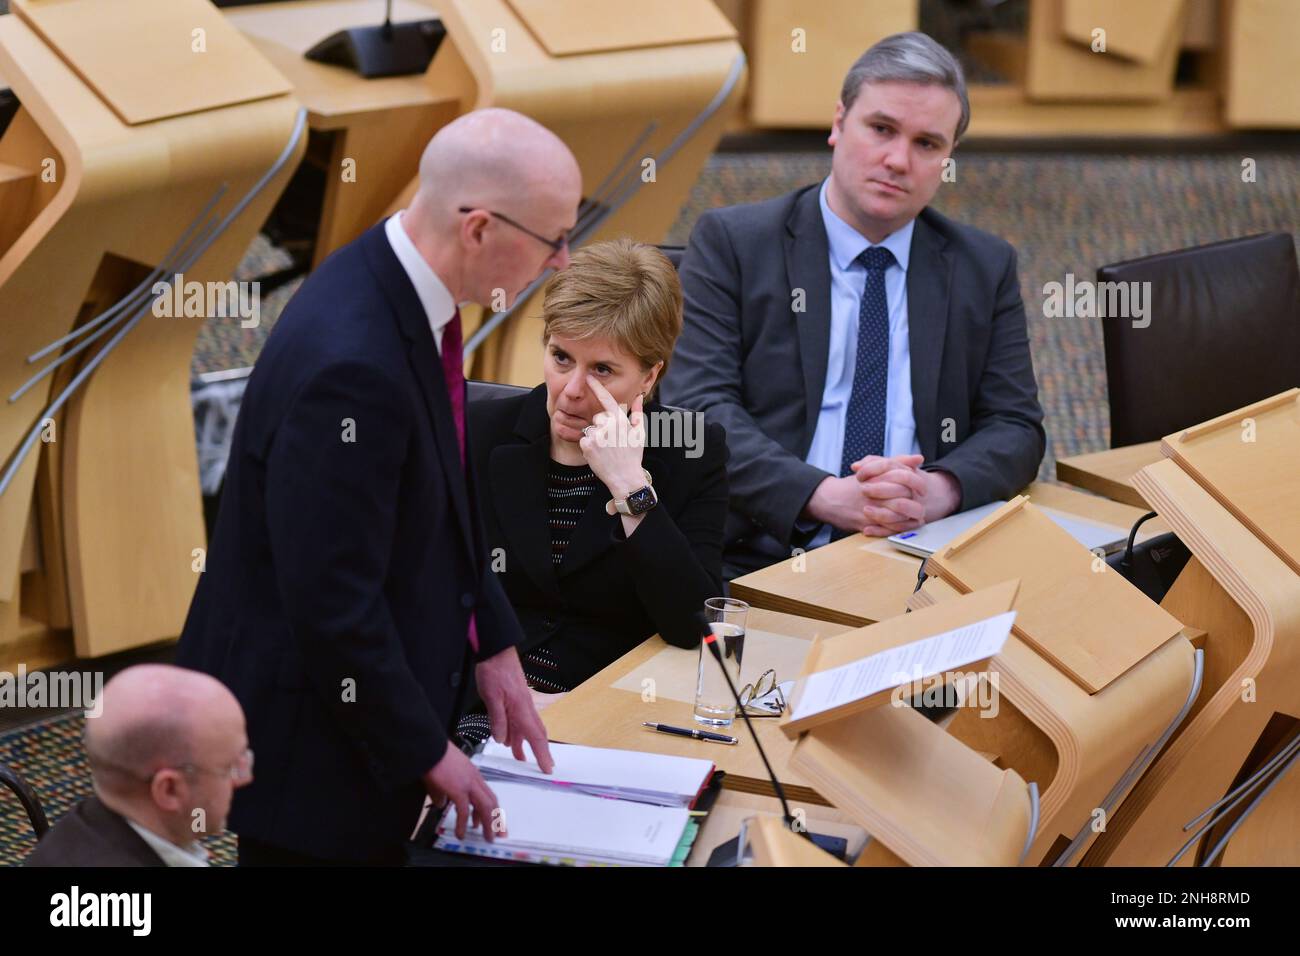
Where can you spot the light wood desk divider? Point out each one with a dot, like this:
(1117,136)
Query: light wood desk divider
(1235,507)
(1249,460)
(1084,750)
(1076,746)
(1060,68)
(843,649)
(1111,472)
(107,52)
(1074,609)
(859,581)
(921,792)
(801,52)
(924,795)
(1128,670)
(100,519)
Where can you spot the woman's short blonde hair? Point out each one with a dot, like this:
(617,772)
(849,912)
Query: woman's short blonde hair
(622,290)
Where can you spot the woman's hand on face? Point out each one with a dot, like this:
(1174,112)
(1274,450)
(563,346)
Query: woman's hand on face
(613,443)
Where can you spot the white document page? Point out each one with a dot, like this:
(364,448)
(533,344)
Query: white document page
(603,767)
(904,664)
(559,822)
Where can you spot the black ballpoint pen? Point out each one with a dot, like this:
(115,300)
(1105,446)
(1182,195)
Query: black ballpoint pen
(688,732)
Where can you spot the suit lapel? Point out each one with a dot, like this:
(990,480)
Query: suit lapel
(807,258)
(517,473)
(928,281)
(427,368)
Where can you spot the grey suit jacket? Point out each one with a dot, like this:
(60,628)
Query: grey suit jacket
(757,365)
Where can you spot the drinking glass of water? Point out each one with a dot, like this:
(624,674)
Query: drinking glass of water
(714,704)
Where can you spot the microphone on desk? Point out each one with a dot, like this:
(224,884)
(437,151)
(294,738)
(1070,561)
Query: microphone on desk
(390,49)
(710,640)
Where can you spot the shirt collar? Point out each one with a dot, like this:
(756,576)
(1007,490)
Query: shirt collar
(847,243)
(432,291)
(170,853)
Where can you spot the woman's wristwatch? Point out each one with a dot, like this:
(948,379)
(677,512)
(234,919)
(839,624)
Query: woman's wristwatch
(637,503)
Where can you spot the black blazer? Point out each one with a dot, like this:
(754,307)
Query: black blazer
(758,367)
(612,592)
(346,560)
(90,834)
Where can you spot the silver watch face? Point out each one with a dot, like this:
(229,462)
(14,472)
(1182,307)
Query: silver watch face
(639,502)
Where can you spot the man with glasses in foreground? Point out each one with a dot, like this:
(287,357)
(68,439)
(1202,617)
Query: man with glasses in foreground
(166,754)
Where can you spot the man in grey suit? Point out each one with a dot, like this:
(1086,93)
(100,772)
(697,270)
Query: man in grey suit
(867,356)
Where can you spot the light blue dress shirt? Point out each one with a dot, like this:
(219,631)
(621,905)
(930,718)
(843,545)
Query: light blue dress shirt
(847,280)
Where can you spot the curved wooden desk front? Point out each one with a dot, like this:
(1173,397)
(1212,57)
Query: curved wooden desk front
(111,547)
(1248,601)
(1074,745)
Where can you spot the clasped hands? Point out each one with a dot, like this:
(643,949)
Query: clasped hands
(884,496)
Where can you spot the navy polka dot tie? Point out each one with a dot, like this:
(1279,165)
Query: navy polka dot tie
(864,427)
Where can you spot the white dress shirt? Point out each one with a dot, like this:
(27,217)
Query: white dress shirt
(171,854)
(434,295)
(847,279)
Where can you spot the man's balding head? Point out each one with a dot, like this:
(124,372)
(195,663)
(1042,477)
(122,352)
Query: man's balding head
(495,163)
(492,158)
(158,722)
(153,715)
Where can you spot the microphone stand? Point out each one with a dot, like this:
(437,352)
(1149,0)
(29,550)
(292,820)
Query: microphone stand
(711,642)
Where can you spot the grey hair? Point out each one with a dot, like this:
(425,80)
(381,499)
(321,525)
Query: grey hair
(908,58)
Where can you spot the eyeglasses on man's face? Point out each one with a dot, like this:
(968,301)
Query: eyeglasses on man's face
(556,245)
(240,772)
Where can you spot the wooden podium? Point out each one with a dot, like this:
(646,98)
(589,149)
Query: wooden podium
(1231,491)
(923,794)
(1092,682)
(127,163)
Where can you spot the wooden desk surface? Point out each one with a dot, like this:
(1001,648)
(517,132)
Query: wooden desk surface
(1111,472)
(656,682)
(857,581)
(333,95)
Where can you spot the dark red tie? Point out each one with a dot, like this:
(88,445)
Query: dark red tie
(453,370)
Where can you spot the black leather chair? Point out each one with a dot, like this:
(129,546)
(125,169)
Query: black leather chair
(674,254)
(487,391)
(10,778)
(1224,332)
